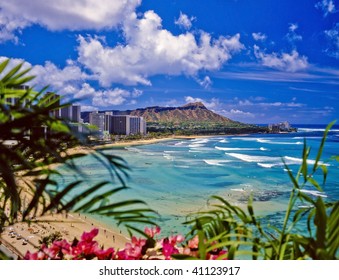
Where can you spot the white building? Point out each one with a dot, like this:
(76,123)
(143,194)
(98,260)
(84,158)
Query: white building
(97,119)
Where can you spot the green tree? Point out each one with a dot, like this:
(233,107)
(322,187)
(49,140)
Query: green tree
(31,139)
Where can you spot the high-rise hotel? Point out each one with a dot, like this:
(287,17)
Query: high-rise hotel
(118,124)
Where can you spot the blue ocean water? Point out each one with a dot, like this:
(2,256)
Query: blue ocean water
(177,177)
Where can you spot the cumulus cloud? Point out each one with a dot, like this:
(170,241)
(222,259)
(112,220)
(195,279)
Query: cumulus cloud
(106,98)
(10,27)
(63,14)
(64,79)
(259,36)
(14,62)
(184,21)
(327,6)
(49,74)
(332,36)
(151,50)
(289,62)
(211,104)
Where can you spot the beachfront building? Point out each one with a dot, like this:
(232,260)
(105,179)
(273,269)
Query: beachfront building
(71,113)
(120,125)
(97,119)
(66,113)
(143,126)
(76,114)
(127,125)
(108,121)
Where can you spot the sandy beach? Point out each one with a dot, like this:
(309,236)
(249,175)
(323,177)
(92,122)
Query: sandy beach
(23,237)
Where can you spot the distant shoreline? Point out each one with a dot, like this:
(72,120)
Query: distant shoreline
(122,144)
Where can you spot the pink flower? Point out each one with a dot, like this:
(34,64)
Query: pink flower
(168,249)
(88,236)
(194,242)
(105,254)
(176,239)
(59,248)
(151,232)
(133,250)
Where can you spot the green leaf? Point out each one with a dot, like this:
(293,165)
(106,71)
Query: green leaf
(320,150)
(320,220)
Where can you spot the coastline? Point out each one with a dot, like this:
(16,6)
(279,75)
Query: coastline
(22,237)
(121,144)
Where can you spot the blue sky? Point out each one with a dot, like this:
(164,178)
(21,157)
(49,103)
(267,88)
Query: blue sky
(258,61)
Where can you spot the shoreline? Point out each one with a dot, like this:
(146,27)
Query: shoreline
(22,237)
(121,144)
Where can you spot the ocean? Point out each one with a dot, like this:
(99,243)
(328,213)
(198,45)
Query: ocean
(177,177)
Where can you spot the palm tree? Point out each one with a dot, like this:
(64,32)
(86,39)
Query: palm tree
(31,139)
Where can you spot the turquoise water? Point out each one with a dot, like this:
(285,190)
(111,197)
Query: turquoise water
(177,177)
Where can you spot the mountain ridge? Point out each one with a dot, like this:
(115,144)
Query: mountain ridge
(191,112)
(189,119)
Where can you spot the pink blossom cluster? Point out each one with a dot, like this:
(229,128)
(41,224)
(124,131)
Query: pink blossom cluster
(138,249)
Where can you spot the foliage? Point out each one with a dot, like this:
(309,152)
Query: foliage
(203,128)
(240,232)
(28,180)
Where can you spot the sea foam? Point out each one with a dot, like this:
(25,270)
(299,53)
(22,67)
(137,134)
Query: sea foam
(235,149)
(216,162)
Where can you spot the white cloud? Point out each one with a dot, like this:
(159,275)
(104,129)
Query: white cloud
(293,27)
(62,14)
(65,80)
(184,21)
(237,114)
(333,37)
(74,15)
(206,82)
(259,36)
(106,98)
(88,108)
(59,79)
(292,36)
(211,104)
(14,62)
(248,103)
(136,93)
(290,62)
(10,27)
(113,97)
(327,6)
(151,50)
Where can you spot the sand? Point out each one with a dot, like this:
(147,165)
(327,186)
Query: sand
(22,237)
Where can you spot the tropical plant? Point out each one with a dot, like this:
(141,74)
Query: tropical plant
(230,227)
(32,138)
